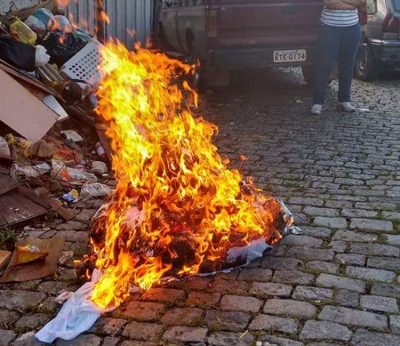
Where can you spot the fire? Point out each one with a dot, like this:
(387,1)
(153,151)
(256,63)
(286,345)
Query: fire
(177,209)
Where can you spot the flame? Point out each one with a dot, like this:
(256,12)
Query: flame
(177,209)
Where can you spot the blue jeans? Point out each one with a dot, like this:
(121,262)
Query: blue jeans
(335,44)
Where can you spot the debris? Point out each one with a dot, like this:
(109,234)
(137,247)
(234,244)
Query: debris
(29,253)
(71,197)
(38,269)
(4,149)
(99,168)
(63,297)
(95,190)
(73,135)
(62,172)
(4,258)
(100,151)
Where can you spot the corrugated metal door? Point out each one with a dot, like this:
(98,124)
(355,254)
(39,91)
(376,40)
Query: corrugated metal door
(130,20)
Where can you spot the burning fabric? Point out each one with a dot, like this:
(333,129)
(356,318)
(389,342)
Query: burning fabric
(177,209)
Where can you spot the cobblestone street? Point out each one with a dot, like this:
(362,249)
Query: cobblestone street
(338,284)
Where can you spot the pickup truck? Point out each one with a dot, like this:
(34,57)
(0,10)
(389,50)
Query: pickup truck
(224,35)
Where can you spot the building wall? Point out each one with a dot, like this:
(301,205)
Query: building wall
(130,20)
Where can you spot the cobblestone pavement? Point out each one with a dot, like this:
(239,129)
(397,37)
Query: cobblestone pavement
(338,284)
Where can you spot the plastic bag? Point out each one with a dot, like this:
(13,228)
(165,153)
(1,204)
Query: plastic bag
(41,58)
(36,25)
(4,149)
(62,47)
(62,24)
(95,190)
(18,54)
(45,16)
(62,172)
(22,32)
(76,316)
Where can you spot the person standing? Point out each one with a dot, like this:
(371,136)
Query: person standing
(338,40)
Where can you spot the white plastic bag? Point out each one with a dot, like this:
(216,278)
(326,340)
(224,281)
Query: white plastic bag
(76,316)
(41,58)
(95,190)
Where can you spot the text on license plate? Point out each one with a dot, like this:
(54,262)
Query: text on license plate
(290,55)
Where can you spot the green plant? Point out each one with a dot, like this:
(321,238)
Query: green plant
(8,237)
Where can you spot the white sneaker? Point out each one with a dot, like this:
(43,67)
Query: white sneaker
(346,107)
(316,109)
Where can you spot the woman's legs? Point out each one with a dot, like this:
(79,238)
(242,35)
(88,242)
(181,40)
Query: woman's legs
(346,58)
(327,50)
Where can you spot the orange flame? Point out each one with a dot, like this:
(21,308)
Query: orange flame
(177,208)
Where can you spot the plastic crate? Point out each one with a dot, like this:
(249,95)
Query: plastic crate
(84,64)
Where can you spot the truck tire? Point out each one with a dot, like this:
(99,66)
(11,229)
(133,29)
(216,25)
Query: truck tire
(198,79)
(365,66)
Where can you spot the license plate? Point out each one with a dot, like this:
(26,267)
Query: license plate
(290,55)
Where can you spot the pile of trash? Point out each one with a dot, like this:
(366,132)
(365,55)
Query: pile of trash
(50,69)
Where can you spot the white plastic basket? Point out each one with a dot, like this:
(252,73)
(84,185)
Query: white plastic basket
(84,64)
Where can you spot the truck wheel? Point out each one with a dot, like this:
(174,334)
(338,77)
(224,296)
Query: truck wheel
(308,74)
(365,67)
(198,77)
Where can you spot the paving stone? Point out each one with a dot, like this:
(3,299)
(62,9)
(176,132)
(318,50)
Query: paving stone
(306,201)
(274,323)
(163,295)
(318,232)
(255,274)
(8,317)
(353,317)
(358,213)
(371,225)
(186,334)
(312,293)
(72,226)
(292,277)
(110,341)
(355,236)
(203,299)
(270,289)
(388,290)
(338,245)
(108,326)
(363,337)
(289,307)
(375,249)
(31,321)
(6,336)
(370,274)
(384,263)
(311,253)
(143,343)
(393,239)
(141,311)
(143,331)
(327,280)
(226,286)
(321,211)
(278,250)
(85,215)
(394,323)
(301,240)
(320,266)
(229,339)
(282,263)
(240,303)
(323,330)
(51,287)
(331,222)
(227,320)
(269,340)
(347,298)
(378,303)
(345,258)
(182,317)
(73,236)
(20,300)
(28,339)
(80,340)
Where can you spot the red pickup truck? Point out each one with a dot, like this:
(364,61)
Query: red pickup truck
(226,35)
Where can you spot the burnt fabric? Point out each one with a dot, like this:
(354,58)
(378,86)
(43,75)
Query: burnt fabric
(18,54)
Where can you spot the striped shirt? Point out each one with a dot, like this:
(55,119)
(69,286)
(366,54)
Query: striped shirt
(339,17)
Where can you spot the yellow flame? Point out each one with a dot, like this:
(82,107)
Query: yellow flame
(176,208)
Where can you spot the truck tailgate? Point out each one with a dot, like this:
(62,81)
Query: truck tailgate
(267,22)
